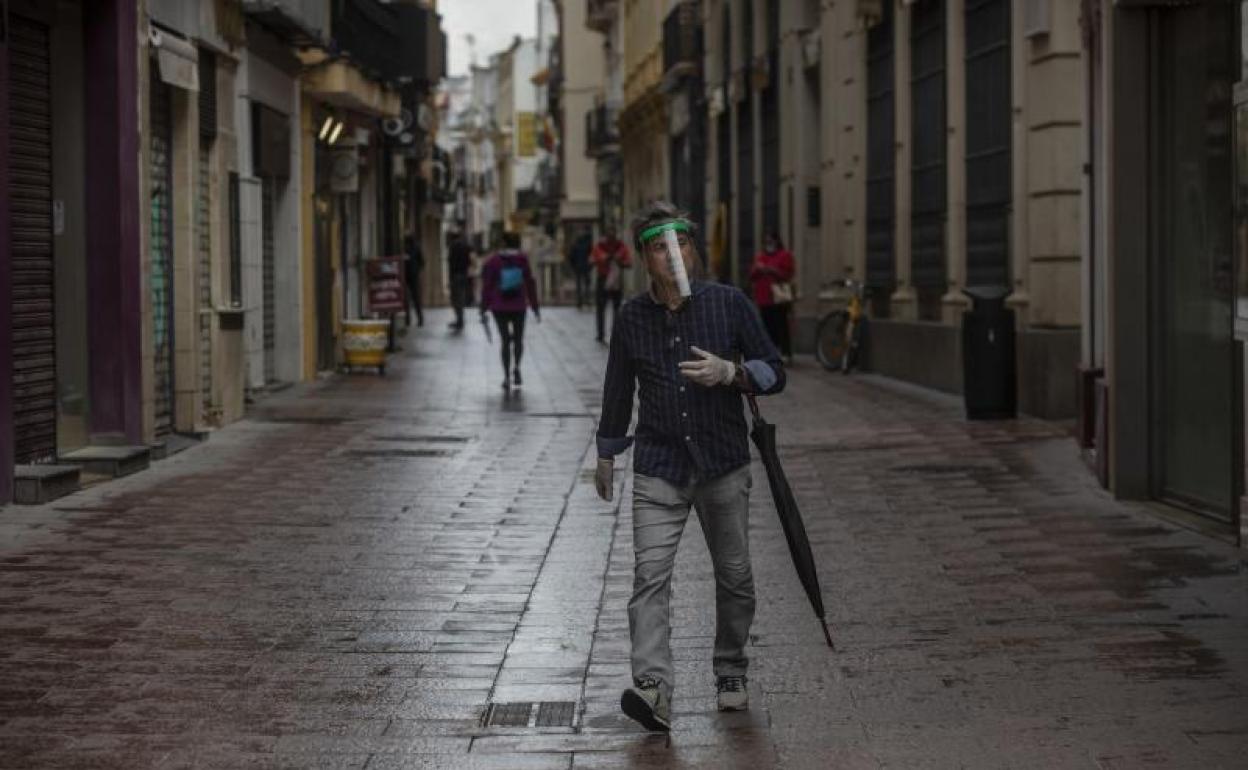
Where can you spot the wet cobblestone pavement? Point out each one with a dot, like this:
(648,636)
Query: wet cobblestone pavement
(349,578)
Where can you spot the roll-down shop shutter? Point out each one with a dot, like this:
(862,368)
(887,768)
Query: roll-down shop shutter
(161,244)
(30,209)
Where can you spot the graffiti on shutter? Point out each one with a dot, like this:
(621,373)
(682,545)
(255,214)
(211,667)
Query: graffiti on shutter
(30,209)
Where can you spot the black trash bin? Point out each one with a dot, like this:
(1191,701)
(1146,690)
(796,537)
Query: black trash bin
(988,374)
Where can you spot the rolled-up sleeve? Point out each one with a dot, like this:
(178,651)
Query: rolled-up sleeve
(617,397)
(761,358)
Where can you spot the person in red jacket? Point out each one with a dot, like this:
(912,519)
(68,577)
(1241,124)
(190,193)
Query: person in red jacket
(611,258)
(771,280)
(508,291)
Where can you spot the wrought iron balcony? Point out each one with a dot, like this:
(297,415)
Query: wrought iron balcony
(600,14)
(303,22)
(682,44)
(601,135)
(401,43)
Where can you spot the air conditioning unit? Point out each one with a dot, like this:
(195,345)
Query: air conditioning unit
(1036,21)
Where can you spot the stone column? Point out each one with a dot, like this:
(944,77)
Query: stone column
(954,301)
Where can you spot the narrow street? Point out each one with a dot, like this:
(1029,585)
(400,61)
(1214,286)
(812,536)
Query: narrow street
(349,577)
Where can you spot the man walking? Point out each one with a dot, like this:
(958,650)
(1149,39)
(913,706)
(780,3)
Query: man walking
(682,354)
(414,265)
(578,261)
(459,261)
(611,258)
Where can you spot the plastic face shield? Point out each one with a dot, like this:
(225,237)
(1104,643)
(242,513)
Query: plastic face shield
(675,259)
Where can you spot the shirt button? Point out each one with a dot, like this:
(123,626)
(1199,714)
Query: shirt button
(688,439)
(682,388)
(684,414)
(678,339)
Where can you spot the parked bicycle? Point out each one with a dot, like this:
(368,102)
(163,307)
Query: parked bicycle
(838,337)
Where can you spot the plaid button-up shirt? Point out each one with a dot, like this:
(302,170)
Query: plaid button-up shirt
(685,430)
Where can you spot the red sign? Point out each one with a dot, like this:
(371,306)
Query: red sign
(387,291)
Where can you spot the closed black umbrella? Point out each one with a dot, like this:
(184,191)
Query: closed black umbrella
(764,435)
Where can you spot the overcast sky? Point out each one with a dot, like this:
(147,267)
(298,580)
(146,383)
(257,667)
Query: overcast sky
(492,22)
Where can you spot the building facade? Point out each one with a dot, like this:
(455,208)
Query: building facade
(846,129)
(1165,278)
(187,144)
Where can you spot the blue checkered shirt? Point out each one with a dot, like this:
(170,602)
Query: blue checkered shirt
(684,430)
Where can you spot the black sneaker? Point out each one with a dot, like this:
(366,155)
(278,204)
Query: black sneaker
(515,377)
(733,695)
(646,704)
(506,383)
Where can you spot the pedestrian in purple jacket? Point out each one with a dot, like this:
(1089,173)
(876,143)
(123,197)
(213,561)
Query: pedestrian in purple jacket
(507,291)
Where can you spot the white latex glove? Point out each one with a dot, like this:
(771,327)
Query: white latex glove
(710,370)
(604,478)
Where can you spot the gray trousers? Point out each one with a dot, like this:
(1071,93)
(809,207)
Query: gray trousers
(660,510)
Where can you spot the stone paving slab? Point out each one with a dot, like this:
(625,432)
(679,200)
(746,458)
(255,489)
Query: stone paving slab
(350,576)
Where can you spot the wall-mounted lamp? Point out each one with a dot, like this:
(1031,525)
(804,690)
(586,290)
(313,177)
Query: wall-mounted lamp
(331,129)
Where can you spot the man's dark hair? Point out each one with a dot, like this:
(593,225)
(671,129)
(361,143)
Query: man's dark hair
(511,240)
(656,214)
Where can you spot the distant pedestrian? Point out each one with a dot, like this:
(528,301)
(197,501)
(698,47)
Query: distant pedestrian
(459,261)
(771,279)
(611,258)
(680,355)
(578,262)
(508,291)
(414,265)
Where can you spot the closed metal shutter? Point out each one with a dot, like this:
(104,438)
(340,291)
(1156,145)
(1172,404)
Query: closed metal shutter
(927,172)
(30,208)
(161,249)
(881,162)
(988,135)
(269,271)
(203,215)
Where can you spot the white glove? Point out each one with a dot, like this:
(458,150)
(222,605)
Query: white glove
(710,371)
(604,478)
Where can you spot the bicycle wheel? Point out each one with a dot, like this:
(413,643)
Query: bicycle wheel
(853,351)
(830,341)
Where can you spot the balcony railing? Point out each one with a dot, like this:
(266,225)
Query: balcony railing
(395,42)
(303,22)
(600,14)
(601,135)
(682,44)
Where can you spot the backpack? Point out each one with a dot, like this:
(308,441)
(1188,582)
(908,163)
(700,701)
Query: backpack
(511,280)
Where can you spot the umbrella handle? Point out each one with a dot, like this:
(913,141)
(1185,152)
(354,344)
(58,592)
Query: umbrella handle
(753,406)
(826,634)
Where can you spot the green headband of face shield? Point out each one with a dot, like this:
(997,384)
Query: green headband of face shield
(650,232)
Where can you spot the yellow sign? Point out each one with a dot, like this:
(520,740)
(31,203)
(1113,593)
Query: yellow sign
(526,134)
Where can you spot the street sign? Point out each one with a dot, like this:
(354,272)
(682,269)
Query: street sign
(387,292)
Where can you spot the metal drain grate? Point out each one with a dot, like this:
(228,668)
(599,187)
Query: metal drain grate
(529,714)
(295,419)
(556,713)
(936,468)
(399,453)
(420,439)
